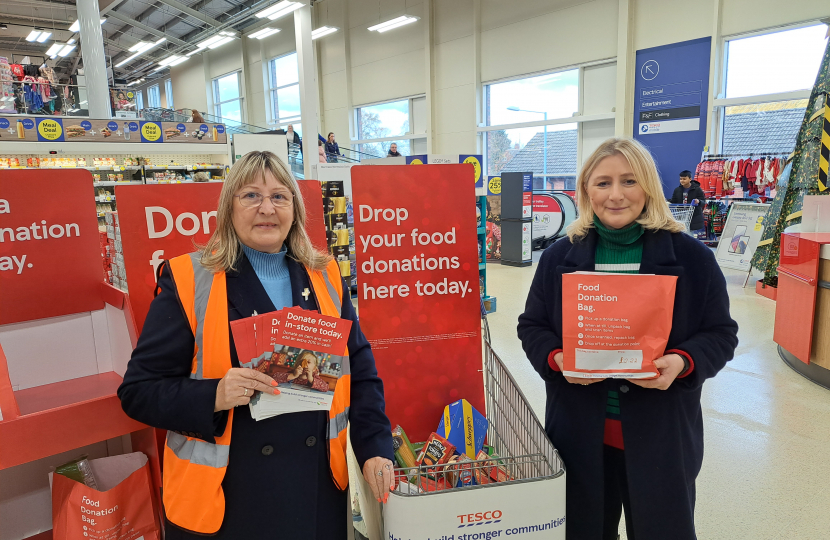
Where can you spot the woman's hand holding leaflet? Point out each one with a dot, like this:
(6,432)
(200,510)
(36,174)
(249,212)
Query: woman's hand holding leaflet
(238,386)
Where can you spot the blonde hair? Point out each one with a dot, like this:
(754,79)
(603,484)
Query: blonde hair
(223,250)
(656,214)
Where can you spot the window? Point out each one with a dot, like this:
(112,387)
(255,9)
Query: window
(749,123)
(153,96)
(168,92)
(548,151)
(139,100)
(383,124)
(284,89)
(227,97)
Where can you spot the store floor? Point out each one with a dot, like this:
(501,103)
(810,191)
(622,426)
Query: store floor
(767,429)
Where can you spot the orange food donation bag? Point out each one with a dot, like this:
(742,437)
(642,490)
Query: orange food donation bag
(615,325)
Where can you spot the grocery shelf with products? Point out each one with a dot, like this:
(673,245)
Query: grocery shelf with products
(121,164)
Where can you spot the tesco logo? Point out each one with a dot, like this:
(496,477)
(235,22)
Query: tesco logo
(480,518)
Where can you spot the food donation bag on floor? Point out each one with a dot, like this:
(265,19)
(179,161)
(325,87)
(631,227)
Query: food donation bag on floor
(121,508)
(615,325)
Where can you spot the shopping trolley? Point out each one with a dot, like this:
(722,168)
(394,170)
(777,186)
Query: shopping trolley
(527,501)
(683,213)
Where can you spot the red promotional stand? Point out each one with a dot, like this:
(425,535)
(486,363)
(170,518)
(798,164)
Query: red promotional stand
(65,339)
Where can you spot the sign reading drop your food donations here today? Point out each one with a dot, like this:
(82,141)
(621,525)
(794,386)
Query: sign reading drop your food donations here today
(162,221)
(418,287)
(50,255)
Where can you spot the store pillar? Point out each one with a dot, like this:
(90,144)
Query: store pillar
(309,98)
(95,66)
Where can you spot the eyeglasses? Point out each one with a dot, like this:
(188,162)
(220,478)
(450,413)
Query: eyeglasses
(252,199)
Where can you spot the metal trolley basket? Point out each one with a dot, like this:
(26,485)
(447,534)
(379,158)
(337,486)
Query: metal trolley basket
(683,213)
(528,502)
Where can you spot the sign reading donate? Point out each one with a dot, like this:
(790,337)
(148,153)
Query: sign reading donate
(50,255)
(161,222)
(418,289)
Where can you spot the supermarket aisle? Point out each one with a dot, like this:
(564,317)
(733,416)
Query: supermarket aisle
(766,427)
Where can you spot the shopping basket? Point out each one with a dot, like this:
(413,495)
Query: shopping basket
(528,501)
(683,213)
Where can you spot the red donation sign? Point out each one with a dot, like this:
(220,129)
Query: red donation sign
(615,325)
(162,221)
(418,288)
(50,253)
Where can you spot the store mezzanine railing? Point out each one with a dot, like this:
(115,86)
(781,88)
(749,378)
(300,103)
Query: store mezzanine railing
(295,153)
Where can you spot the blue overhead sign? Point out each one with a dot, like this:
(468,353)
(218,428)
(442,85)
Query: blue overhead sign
(670,97)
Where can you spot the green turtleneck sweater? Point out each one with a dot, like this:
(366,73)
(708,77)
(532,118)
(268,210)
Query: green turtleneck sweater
(619,251)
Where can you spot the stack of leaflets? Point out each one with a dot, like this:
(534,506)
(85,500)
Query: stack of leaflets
(302,350)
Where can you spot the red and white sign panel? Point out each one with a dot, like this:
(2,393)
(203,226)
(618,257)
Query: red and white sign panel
(162,221)
(418,287)
(50,253)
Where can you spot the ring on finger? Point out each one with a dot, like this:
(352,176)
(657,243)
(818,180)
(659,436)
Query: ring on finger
(246,392)
(380,473)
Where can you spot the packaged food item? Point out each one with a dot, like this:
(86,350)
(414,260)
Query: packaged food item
(404,454)
(464,427)
(459,471)
(78,470)
(437,450)
(489,471)
(432,484)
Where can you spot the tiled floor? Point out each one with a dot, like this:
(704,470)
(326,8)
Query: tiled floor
(766,470)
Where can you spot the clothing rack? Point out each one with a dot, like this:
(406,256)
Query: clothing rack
(713,157)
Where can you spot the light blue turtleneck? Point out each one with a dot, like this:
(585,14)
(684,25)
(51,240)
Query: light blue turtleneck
(272,271)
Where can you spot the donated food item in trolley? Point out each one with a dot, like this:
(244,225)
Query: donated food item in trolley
(683,213)
(516,489)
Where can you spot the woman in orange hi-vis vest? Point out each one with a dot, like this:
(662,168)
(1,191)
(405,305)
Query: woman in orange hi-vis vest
(226,475)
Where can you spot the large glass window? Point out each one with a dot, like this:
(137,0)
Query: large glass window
(227,97)
(284,89)
(385,121)
(168,92)
(139,100)
(780,62)
(548,151)
(153,96)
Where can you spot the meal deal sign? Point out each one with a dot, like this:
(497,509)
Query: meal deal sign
(50,255)
(418,287)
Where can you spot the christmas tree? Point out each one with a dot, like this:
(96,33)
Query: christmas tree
(799,178)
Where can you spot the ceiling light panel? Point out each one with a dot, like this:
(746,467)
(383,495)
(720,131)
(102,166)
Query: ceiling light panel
(66,49)
(323,31)
(53,50)
(33,35)
(43,37)
(280,9)
(264,33)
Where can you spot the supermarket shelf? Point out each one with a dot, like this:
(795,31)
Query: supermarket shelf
(100,148)
(110,184)
(105,200)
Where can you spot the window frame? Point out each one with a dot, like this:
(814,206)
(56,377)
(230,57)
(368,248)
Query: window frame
(217,104)
(168,92)
(720,103)
(154,91)
(273,88)
(408,136)
(139,100)
(579,118)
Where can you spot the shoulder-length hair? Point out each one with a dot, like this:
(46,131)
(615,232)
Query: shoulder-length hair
(223,250)
(656,214)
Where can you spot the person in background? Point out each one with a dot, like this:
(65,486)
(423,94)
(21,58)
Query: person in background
(332,149)
(292,137)
(226,475)
(393,151)
(690,192)
(196,116)
(630,444)
(321,151)
(200,177)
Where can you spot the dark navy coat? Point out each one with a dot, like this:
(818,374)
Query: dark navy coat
(662,429)
(285,490)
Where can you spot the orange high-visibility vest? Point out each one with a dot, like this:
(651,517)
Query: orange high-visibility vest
(194,469)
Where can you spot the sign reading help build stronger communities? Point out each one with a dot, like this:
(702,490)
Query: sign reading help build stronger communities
(418,287)
(50,254)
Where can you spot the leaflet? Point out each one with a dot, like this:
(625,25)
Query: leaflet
(304,351)
(615,325)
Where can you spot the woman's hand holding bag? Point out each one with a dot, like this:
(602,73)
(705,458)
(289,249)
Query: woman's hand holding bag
(573,380)
(669,366)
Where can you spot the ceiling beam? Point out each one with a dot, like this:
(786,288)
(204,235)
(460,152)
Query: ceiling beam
(192,12)
(148,29)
